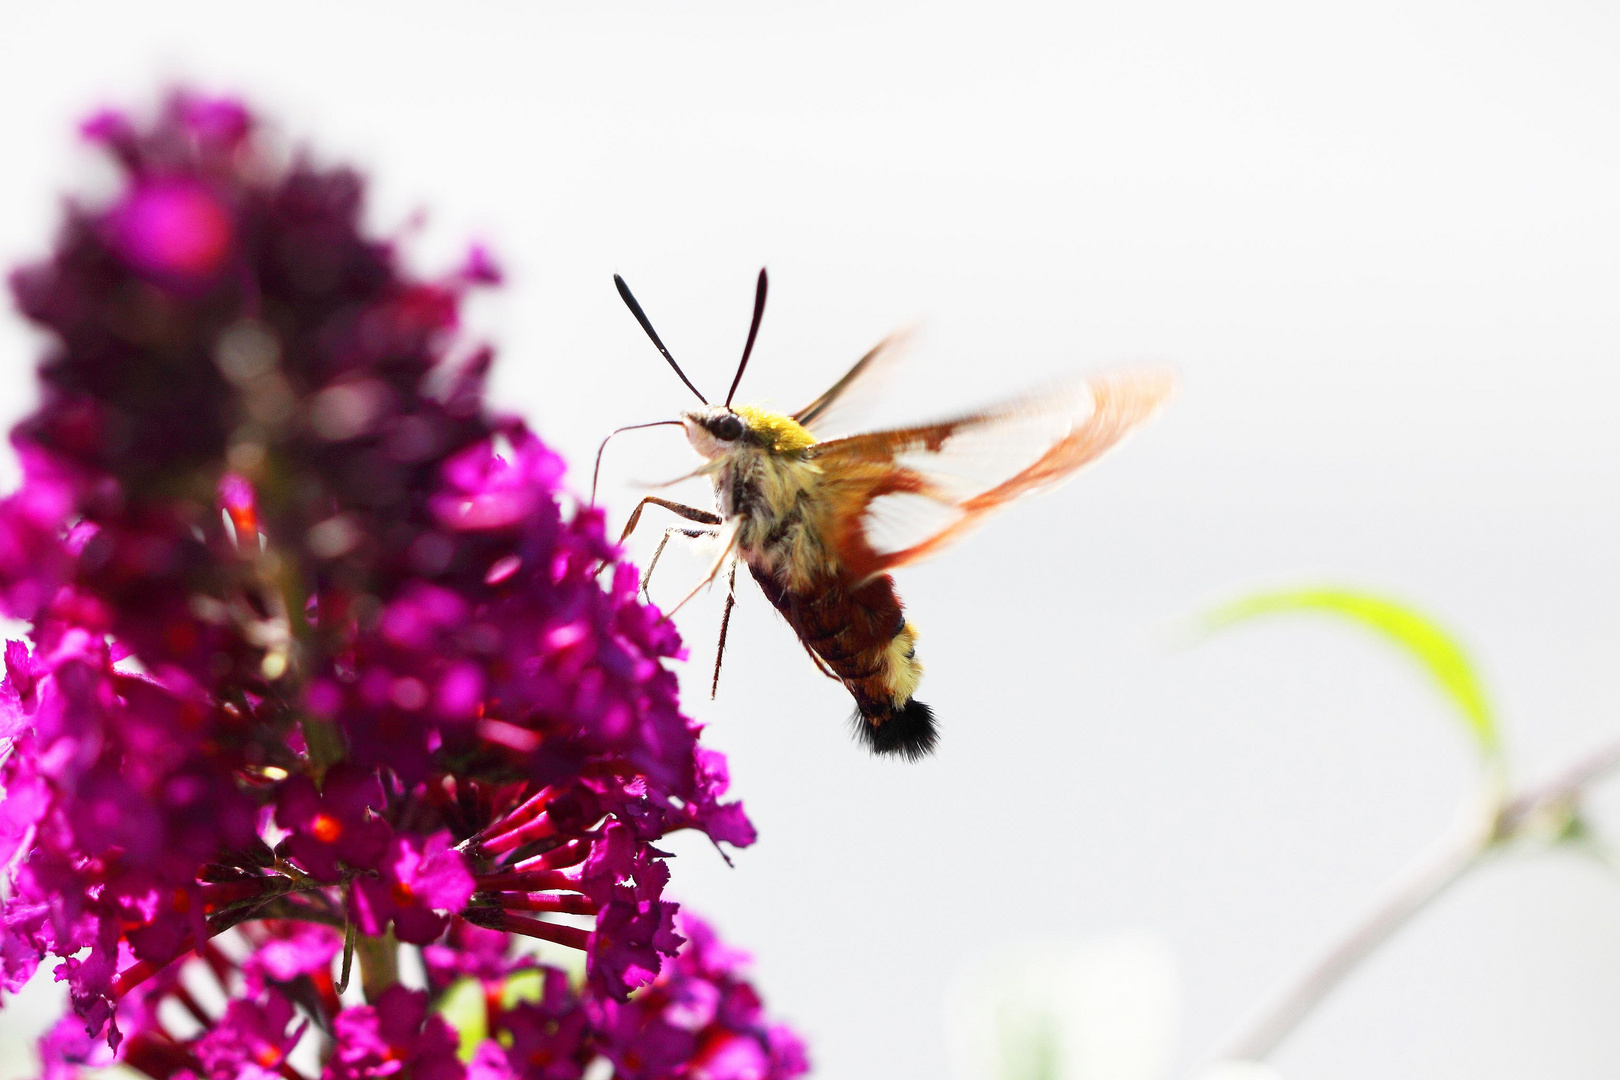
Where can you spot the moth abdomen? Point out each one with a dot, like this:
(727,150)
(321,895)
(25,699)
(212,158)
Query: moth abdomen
(859,635)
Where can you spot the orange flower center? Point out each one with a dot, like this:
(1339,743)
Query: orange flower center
(326,828)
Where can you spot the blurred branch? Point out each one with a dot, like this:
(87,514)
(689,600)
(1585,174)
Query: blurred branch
(1501,822)
(1560,792)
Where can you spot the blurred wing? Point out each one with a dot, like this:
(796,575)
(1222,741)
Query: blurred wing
(904,494)
(860,386)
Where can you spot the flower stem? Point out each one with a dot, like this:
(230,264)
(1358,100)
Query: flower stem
(1438,870)
(569,904)
(574,937)
(324,740)
(379,963)
(528,881)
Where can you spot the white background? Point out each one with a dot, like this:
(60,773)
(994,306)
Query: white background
(1380,241)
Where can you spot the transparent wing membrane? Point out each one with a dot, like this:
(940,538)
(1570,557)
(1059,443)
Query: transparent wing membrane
(844,403)
(913,490)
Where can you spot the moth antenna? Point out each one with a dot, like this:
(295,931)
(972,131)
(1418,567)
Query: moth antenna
(641,317)
(753,332)
(597,471)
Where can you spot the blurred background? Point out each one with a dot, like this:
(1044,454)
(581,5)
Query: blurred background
(1381,242)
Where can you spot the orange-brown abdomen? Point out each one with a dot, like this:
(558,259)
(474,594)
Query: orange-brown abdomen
(859,635)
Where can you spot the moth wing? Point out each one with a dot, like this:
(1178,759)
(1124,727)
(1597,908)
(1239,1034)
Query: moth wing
(839,408)
(902,495)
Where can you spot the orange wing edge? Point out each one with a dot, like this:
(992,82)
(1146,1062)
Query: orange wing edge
(1121,402)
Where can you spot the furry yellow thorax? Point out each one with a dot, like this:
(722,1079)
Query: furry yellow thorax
(782,433)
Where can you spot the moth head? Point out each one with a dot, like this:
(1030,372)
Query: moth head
(715,430)
(719,430)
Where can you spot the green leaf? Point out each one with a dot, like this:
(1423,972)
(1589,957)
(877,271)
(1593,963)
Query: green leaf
(1418,636)
(462,1007)
(523,986)
(465,1007)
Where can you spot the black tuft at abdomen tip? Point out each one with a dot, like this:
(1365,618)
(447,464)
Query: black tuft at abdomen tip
(907,732)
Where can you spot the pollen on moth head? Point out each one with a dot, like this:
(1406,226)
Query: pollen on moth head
(781,433)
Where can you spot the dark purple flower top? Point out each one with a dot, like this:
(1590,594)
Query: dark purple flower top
(318,644)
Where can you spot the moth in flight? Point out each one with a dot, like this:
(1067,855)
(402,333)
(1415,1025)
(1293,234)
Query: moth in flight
(821,522)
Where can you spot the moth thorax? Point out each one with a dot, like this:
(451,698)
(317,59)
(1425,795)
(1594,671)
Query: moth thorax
(777,432)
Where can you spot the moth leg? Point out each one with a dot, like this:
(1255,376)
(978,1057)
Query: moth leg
(690,513)
(826,669)
(725,624)
(816,658)
(646,575)
(729,534)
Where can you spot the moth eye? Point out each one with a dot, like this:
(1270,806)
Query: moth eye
(728,427)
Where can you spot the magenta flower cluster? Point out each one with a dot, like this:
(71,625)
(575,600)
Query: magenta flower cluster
(318,664)
(519,1019)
